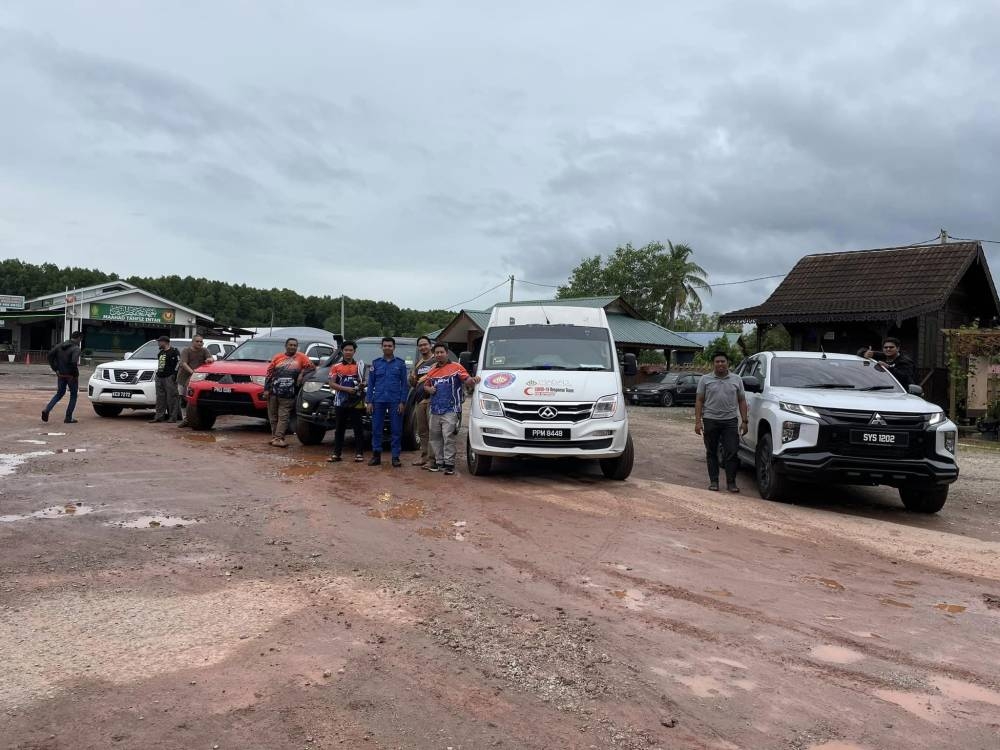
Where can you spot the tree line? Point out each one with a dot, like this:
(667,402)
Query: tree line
(235,304)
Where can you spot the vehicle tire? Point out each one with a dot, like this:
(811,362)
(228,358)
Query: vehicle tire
(771,484)
(619,468)
(309,433)
(410,437)
(667,399)
(107,410)
(479,465)
(924,499)
(200,419)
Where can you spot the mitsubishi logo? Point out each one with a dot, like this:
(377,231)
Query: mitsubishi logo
(123,375)
(877,419)
(548,412)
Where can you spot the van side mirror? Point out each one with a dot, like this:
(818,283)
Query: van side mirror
(465,359)
(752,384)
(915,390)
(630,366)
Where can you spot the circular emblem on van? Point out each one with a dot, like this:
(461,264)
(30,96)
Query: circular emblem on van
(548,412)
(500,379)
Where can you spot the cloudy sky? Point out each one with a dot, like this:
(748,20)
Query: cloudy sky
(423,151)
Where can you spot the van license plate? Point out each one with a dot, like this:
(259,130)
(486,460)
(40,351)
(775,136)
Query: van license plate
(219,389)
(885,439)
(121,394)
(546,433)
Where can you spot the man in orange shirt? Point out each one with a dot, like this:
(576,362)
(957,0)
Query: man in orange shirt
(444,385)
(285,374)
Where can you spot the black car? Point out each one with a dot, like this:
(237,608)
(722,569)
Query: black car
(314,405)
(665,389)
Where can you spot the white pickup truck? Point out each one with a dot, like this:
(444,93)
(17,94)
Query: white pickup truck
(842,419)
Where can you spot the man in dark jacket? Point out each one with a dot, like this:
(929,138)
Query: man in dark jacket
(901,366)
(64,359)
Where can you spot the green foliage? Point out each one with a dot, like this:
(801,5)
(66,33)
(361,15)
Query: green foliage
(720,344)
(657,280)
(692,318)
(236,304)
(651,357)
(776,339)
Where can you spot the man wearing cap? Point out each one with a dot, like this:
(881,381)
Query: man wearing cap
(167,408)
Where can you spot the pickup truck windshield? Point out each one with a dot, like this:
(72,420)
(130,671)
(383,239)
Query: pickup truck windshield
(258,351)
(547,347)
(847,374)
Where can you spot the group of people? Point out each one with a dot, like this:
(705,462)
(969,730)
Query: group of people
(381,389)
(173,373)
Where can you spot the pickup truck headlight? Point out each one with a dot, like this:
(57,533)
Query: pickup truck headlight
(258,380)
(311,386)
(605,407)
(805,411)
(490,405)
(935,418)
(197,377)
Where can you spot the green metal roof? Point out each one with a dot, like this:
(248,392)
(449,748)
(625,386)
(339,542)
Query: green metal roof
(480,317)
(629,330)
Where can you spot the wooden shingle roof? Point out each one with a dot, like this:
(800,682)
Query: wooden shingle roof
(886,284)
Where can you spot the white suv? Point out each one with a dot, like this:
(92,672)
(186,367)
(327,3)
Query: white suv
(842,419)
(129,383)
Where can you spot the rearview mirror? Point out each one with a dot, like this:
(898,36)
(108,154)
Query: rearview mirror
(465,359)
(915,390)
(752,384)
(630,366)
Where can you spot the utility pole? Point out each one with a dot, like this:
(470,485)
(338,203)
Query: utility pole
(944,237)
(511,296)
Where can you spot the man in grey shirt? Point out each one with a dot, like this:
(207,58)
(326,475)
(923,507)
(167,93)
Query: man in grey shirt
(720,395)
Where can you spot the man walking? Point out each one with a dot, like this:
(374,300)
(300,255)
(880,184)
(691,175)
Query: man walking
(192,357)
(64,359)
(720,394)
(167,409)
(421,413)
(285,374)
(387,392)
(901,366)
(346,382)
(444,385)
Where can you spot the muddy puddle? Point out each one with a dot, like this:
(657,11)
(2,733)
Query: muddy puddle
(72,508)
(893,603)
(33,442)
(408,510)
(830,583)
(836,654)
(154,522)
(10,461)
(952,609)
(300,470)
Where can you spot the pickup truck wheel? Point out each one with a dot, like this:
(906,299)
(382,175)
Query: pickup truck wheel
(479,465)
(924,499)
(200,419)
(107,410)
(771,484)
(619,468)
(667,399)
(309,433)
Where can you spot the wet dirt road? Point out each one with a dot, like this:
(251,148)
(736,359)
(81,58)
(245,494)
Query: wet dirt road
(168,589)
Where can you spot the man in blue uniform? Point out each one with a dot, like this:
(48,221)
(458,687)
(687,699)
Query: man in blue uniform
(387,392)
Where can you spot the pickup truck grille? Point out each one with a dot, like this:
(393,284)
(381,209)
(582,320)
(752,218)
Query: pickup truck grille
(227,378)
(528,411)
(852,418)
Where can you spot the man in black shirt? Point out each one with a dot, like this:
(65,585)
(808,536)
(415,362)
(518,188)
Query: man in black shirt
(167,407)
(901,366)
(64,359)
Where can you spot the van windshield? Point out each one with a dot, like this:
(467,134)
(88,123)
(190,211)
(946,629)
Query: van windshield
(547,347)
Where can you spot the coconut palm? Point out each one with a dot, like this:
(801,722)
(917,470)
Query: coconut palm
(685,280)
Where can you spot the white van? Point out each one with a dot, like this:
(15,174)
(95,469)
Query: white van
(551,388)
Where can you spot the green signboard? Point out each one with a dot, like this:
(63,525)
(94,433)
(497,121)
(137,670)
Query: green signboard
(132,313)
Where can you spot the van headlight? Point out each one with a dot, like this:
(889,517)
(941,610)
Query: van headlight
(197,377)
(490,405)
(805,411)
(311,386)
(605,407)
(260,380)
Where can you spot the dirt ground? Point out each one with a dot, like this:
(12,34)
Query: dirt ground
(167,589)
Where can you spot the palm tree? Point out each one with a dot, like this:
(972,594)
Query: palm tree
(685,279)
